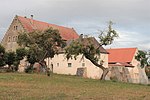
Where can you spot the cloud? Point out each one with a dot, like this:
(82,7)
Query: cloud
(131,39)
(131,17)
(2,32)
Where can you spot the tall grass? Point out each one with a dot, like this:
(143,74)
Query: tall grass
(15,86)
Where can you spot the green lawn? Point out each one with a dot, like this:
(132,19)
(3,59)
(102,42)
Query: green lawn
(15,86)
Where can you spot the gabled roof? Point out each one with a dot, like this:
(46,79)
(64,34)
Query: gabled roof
(87,41)
(93,41)
(30,25)
(121,55)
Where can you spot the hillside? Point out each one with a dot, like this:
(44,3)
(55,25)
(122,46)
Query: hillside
(15,86)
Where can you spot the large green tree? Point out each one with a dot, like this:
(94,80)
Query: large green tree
(41,44)
(90,51)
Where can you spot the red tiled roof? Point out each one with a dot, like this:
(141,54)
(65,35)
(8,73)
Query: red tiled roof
(31,25)
(121,55)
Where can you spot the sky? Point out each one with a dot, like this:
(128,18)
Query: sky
(131,17)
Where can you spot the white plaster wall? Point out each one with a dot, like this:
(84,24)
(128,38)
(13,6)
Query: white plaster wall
(134,72)
(138,74)
(92,71)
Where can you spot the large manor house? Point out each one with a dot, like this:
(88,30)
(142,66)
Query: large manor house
(121,60)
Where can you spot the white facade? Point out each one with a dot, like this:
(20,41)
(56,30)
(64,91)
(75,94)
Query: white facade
(137,73)
(63,66)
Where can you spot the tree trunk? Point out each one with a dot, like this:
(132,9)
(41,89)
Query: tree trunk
(10,68)
(105,70)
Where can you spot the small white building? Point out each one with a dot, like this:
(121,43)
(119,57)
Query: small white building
(82,67)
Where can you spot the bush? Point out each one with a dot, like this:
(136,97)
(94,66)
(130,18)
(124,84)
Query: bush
(29,69)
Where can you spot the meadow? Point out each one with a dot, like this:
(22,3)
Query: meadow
(21,86)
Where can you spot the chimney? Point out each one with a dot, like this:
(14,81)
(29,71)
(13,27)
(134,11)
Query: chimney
(31,16)
(31,21)
(81,37)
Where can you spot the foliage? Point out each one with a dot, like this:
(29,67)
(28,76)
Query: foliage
(108,36)
(13,58)
(79,47)
(10,58)
(90,50)
(31,56)
(142,56)
(29,69)
(40,45)
(2,49)
(20,53)
(2,59)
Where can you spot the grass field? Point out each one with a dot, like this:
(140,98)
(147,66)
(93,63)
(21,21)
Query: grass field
(15,86)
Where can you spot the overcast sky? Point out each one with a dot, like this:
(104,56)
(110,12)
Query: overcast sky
(131,17)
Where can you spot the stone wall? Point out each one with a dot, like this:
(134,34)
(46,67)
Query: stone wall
(120,73)
(128,74)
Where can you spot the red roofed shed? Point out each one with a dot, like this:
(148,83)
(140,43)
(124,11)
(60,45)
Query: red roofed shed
(121,56)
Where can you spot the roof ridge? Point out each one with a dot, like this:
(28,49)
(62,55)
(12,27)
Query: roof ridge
(122,48)
(46,23)
(32,24)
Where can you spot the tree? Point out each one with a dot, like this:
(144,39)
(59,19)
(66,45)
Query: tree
(41,44)
(19,55)
(143,57)
(31,58)
(10,58)
(90,51)
(2,59)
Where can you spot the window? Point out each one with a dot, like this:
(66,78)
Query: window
(10,50)
(83,64)
(69,65)
(15,27)
(14,38)
(9,39)
(57,64)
